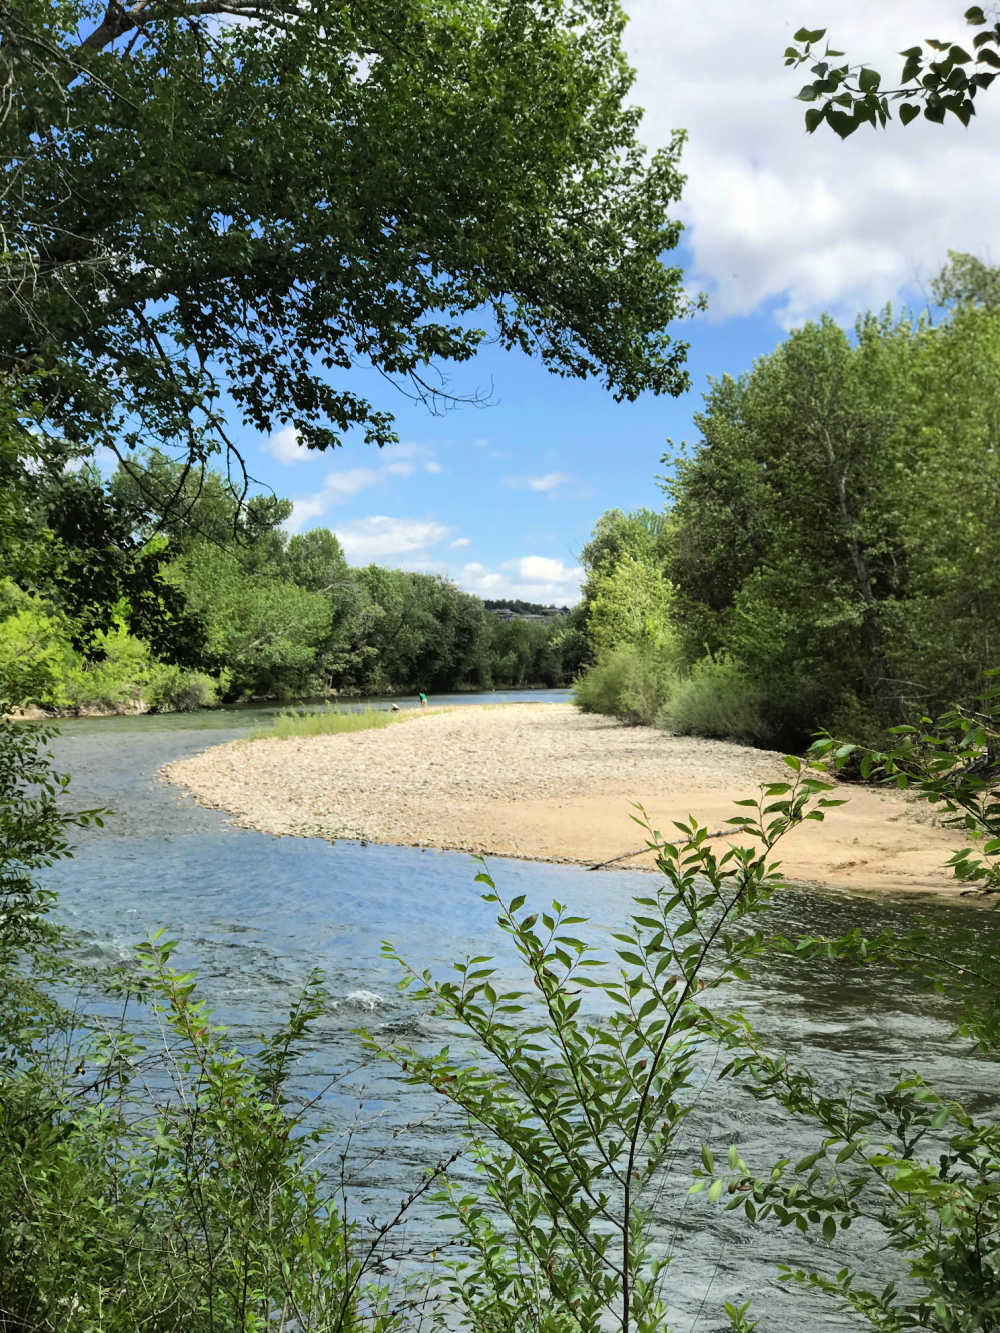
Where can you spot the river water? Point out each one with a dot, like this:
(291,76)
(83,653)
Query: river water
(255,914)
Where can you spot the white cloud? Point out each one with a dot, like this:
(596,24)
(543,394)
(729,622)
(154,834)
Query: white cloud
(477,578)
(337,488)
(532,578)
(304,510)
(284,445)
(543,569)
(806,223)
(414,456)
(458,543)
(343,484)
(549,482)
(367,539)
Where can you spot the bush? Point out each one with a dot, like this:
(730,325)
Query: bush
(34,649)
(715,700)
(172,689)
(631,682)
(116,681)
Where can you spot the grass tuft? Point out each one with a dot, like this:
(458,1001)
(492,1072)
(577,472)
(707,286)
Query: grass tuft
(293,725)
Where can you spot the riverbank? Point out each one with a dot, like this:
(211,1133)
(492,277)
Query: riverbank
(545,783)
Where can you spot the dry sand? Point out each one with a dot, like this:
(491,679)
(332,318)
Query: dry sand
(544,782)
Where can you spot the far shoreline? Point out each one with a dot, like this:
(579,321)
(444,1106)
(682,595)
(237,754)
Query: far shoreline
(138,707)
(543,782)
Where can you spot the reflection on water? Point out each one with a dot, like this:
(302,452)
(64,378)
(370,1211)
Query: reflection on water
(256,913)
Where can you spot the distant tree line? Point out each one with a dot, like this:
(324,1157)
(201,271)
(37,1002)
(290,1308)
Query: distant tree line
(199,598)
(521,608)
(829,555)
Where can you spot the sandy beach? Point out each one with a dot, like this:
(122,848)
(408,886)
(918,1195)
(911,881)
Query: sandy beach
(544,782)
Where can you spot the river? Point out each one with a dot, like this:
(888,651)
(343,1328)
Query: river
(255,914)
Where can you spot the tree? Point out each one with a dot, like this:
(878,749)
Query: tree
(941,78)
(266,197)
(66,539)
(800,583)
(642,537)
(266,631)
(627,608)
(629,603)
(189,504)
(836,529)
(643,533)
(966,280)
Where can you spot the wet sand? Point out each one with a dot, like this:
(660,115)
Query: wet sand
(544,782)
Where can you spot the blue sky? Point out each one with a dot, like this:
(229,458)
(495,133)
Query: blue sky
(779,228)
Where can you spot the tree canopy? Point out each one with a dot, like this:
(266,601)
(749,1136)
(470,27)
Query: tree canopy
(830,551)
(294,202)
(966,280)
(103,607)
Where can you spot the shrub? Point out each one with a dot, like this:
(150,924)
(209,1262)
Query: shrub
(115,681)
(34,649)
(631,682)
(173,689)
(576,1119)
(715,700)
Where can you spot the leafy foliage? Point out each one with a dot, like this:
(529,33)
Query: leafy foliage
(213,600)
(633,682)
(573,1117)
(714,698)
(270,204)
(953,763)
(34,828)
(818,541)
(152,1176)
(628,610)
(966,280)
(938,78)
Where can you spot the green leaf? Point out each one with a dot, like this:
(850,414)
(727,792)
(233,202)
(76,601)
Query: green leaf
(810,35)
(841,123)
(809,1161)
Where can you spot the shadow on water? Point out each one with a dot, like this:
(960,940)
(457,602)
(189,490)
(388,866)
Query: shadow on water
(255,914)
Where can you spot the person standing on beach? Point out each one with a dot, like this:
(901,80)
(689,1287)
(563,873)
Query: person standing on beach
(423,699)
